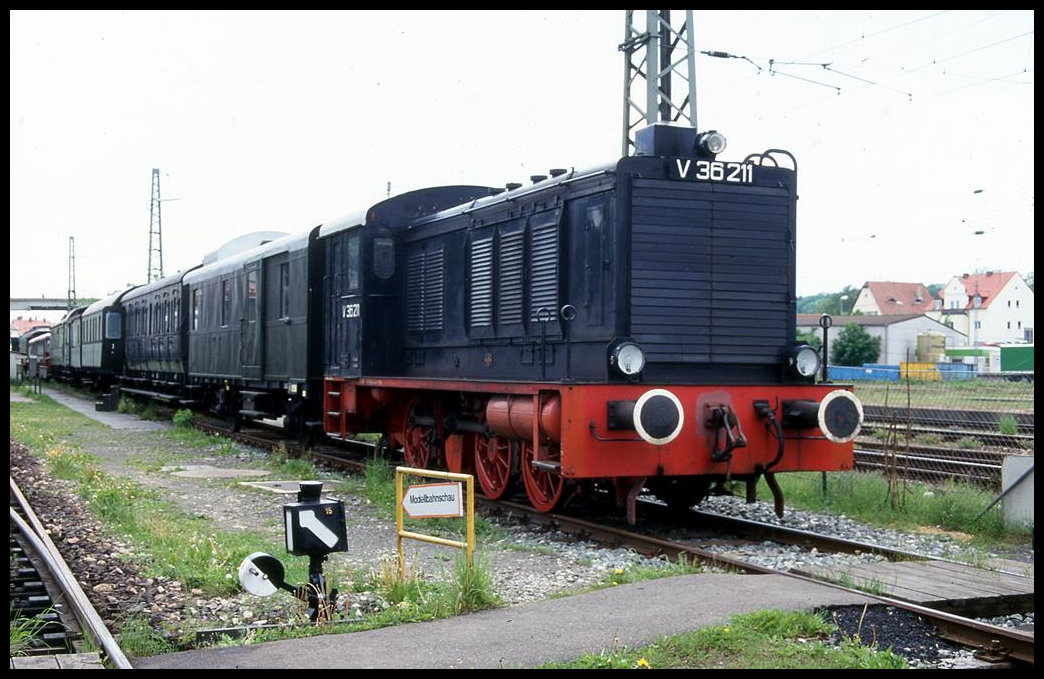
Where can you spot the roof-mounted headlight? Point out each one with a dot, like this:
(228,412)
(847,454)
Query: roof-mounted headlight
(627,358)
(712,142)
(803,360)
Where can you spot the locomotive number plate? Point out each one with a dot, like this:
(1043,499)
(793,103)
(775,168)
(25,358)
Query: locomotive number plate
(350,311)
(714,171)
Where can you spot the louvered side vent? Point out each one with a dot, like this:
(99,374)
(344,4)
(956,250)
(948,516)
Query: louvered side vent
(480,306)
(509,311)
(424,291)
(710,272)
(544,285)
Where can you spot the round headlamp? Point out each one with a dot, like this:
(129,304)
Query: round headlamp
(804,360)
(627,357)
(711,142)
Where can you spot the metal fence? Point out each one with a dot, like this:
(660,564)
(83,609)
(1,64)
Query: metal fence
(931,425)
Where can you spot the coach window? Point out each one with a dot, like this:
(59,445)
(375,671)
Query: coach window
(353,264)
(196,295)
(226,302)
(251,299)
(284,290)
(112,325)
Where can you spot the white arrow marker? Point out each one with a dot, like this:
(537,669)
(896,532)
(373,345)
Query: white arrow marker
(310,521)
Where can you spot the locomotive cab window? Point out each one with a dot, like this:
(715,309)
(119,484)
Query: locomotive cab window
(352,269)
(383,258)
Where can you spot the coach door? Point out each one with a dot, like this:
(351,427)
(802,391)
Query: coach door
(250,323)
(348,307)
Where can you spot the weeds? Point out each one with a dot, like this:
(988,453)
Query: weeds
(140,638)
(183,419)
(1008,425)
(770,639)
(24,630)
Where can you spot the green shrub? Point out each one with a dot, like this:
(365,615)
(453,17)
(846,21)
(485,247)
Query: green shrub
(183,418)
(1008,425)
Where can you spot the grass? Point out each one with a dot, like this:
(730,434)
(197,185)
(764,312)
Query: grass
(867,497)
(24,630)
(1008,425)
(140,638)
(769,639)
(190,550)
(181,547)
(643,572)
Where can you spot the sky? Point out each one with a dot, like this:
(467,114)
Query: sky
(912,129)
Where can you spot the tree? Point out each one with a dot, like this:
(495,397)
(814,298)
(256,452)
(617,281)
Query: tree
(811,338)
(829,302)
(855,346)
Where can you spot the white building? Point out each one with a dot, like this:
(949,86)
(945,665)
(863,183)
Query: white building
(901,335)
(990,307)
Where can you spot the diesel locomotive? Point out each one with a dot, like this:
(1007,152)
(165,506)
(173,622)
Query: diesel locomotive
(625,328)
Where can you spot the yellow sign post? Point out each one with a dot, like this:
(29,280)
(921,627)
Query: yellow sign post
(432,500)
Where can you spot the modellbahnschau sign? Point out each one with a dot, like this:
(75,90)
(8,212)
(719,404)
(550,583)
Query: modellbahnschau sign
(434,500)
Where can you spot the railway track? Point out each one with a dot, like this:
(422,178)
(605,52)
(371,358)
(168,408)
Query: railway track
(991,642)
(946,419)
(44,589)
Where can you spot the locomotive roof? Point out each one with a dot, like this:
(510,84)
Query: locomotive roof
(409,207)
(568,177)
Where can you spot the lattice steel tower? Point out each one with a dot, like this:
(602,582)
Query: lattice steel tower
(72,274)
(657,53)
(155,231)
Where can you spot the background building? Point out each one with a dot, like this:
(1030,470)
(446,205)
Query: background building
(904,337)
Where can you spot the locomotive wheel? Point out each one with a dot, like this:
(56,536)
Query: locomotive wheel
(544,488)
(419,440)
(494,466)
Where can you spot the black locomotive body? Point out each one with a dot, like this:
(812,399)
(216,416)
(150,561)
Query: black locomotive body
(633,324)
(626,327)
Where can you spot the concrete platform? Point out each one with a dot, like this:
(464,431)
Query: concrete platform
(111,419)
(531,634)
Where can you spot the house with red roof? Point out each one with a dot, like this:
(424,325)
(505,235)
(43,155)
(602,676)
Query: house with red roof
(887,298)
(989,307)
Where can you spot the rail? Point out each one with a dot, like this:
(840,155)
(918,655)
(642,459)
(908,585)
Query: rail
(33,530)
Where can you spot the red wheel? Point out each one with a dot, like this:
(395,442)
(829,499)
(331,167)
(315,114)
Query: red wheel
(494,466)
(543,487)
(419,437)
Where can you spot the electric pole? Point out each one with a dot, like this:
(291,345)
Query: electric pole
(155,231)
(656,53)
(72,274)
